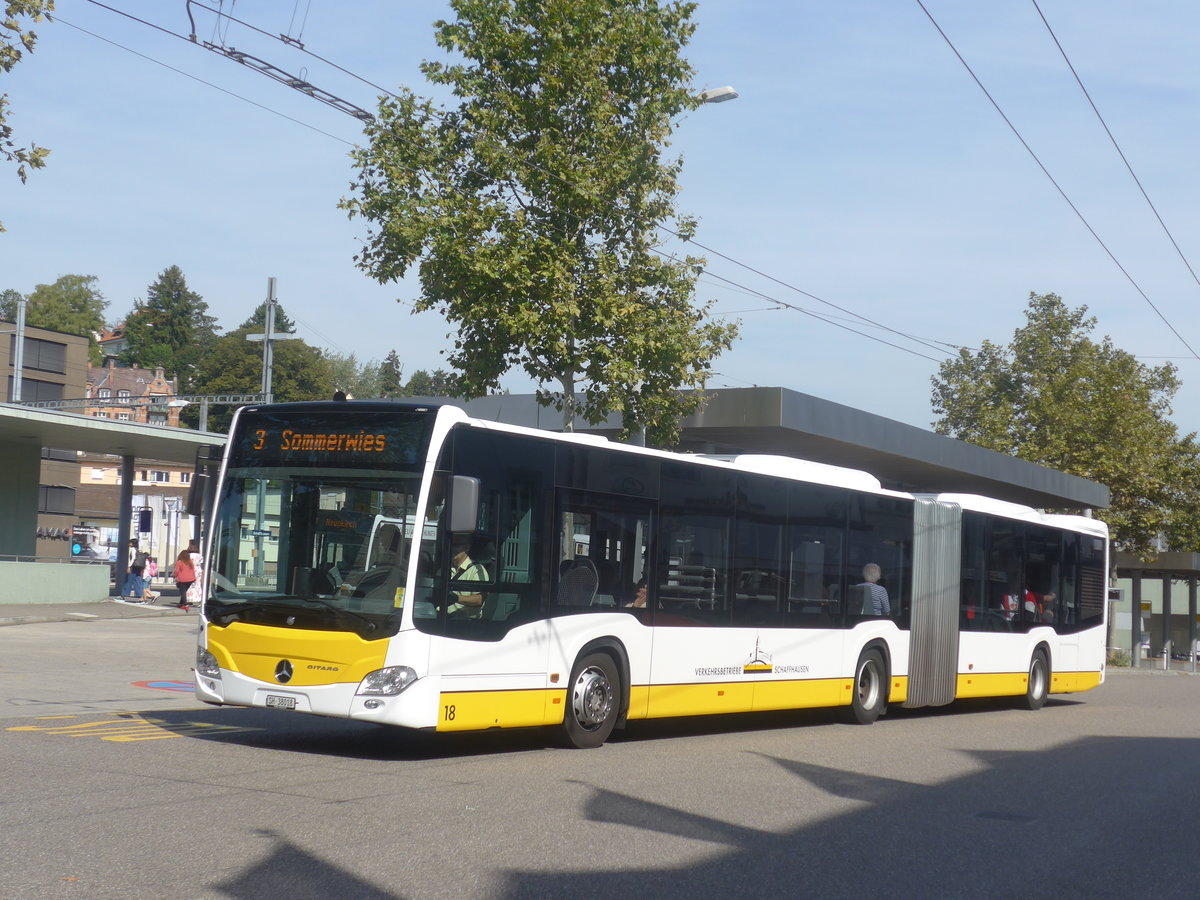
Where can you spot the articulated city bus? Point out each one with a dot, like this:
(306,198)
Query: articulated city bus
(405,564)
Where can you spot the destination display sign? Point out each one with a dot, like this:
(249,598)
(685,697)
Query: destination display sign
(356,438)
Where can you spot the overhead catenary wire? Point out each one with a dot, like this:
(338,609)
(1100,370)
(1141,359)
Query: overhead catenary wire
(60,19)
(534,167)
(299,38)
(1062,193)
(1116,146)
(826,319)
(262,66)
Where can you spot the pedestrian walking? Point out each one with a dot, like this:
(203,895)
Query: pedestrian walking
(197,565)
(185,576)
(136,584)
(135,565)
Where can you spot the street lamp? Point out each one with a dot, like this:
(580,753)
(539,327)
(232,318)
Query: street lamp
(180,404)
(637,437)
(718,95)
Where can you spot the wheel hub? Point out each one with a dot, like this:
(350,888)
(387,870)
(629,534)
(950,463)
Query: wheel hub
(868,686)
(592,698)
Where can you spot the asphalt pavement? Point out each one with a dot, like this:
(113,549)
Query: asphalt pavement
(31,613)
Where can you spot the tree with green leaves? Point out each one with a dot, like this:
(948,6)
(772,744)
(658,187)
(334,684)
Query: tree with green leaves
(8,304)
(359,380)
(533,209)
(233,365)
(1056,397)
(15,41)
(391,374)
(170,328)
(73,305)
(438,383)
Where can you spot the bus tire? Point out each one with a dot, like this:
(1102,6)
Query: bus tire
(593,701)
(869,693)
(1038,687)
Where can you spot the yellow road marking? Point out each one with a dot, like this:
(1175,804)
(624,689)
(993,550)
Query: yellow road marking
(129,728)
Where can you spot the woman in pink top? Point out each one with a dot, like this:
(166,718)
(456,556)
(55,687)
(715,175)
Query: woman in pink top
(185,577)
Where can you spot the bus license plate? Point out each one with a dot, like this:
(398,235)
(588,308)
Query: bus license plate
(276,702)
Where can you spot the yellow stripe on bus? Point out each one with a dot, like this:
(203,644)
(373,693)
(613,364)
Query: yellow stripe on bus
(478,710)
(1071,682)
(317,657)
(1014,684)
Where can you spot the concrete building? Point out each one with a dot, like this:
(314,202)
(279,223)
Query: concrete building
(54,367)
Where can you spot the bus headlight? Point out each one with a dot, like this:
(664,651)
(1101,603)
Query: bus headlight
(206,664)
(387,682)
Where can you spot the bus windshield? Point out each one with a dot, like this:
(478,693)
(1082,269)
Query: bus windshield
(317,538)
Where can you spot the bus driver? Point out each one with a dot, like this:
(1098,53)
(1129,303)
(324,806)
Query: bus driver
(463,568)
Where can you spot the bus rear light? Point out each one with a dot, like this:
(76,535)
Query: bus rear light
(206,664)
(387,682)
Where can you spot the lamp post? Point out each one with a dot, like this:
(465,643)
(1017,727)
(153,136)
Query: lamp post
(718,95)
(637,437)
(18,356)
(180,404)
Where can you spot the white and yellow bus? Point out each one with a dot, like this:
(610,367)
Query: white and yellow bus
(405,564)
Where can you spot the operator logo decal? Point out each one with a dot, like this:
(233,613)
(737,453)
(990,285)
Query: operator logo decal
(758,662)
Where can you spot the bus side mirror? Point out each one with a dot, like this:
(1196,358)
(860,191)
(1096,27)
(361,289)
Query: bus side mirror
(194,505)
(199,496)
(464,504)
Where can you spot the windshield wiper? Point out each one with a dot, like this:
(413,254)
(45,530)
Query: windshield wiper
(370,626)
(216,608)
(230,611)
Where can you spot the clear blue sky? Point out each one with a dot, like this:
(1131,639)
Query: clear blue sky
(861,164)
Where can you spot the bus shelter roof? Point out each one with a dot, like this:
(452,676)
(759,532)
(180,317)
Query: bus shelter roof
(31,427)
(779,421)
(1169,564)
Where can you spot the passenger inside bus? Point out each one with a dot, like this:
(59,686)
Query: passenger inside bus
(639,596)
(874,596)
(1039,606)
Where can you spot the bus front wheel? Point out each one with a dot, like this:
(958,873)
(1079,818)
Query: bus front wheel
(869,692)
(593,698)
(1038,688)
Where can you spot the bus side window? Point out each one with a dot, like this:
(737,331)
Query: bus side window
(601,556)
(758,563)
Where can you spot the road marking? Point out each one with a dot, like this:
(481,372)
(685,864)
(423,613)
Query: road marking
(128,728)
(183,687)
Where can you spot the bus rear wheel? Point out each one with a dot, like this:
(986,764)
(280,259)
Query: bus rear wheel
(1038,688)
(869,693)
(593,699)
